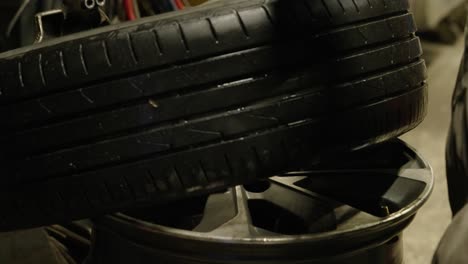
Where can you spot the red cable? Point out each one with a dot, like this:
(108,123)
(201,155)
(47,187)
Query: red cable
(129,11)
(180,5)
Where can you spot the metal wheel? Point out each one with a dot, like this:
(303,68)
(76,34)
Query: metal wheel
(351,211)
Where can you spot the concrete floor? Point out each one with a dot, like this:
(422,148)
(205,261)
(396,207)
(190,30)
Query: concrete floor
(422,237)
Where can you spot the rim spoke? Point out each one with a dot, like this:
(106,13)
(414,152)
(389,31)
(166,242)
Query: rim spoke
(219,209)
(241,223)
(422,175)
(348,217)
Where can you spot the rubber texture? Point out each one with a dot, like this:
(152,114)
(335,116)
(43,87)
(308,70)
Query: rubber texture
(192,102)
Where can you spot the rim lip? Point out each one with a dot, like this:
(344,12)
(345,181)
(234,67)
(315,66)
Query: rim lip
(398,218)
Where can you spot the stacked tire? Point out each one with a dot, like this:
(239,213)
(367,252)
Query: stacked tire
(193,102)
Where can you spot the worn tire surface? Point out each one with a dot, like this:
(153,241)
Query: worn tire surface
(190,102)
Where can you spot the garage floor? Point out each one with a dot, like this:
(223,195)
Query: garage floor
(429,139)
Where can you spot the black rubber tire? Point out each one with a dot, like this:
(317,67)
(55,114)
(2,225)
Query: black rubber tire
(195,101)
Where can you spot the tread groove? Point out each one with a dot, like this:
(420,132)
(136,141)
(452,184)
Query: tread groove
(157,42)
(86,97)
(42,105)
(20,74)
(130,189)
(151,179)
(41,70)
(131,47)
(309,9)
(242,24)
(106,53)
(62,64)
(204,176)
(268,15)
(107,190)
(327,9)
(178,177)
(183,38)
(356,6)
(364,37)
(213,31)
(257,116)
(204,171)
(86,196)
(83,60)
(256,155)
(342,6)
